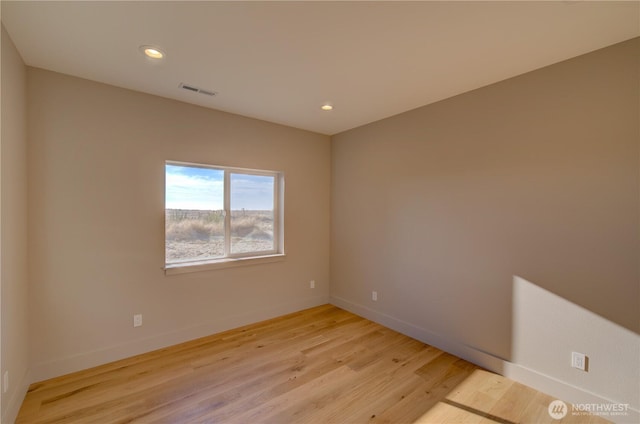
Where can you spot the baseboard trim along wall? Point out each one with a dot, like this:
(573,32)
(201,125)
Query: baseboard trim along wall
(532,378)
(15,402)
(61,366)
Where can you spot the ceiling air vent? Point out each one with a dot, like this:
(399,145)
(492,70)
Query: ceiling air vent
(195,89)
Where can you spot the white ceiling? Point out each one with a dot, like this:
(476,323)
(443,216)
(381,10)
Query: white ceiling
(280,61)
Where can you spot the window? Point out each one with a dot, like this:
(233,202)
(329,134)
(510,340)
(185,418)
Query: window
(216,214)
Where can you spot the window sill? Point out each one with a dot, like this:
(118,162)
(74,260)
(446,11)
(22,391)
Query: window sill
(222,263)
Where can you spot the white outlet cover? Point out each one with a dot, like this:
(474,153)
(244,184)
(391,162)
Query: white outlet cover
(137,320)
(579,361)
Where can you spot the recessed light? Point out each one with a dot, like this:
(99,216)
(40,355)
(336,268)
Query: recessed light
(152,52)
(326,106)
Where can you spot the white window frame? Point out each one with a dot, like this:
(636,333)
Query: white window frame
(236,259)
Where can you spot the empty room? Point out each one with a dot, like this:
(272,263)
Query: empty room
(320,212)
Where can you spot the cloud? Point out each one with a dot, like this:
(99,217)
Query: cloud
(194,188)
(252,192)
(190,187)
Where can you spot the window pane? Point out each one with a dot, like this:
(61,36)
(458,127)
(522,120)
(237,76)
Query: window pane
(194,221)
(252,213)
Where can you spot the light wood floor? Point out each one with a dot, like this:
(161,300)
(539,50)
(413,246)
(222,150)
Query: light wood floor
(322,365)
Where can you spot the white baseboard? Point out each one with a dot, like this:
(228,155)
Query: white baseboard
(61,366)
(541,382)
(565,391)
(15,401)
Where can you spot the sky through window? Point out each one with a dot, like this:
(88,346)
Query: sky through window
(199,188)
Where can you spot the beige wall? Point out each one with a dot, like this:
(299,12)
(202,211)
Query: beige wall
(96,168)
(437,209)
(13,228)
(540,339)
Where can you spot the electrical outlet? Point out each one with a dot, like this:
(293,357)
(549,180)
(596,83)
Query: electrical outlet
(137,320)
(5,382)
(312,284)
(579,361)
(374,296)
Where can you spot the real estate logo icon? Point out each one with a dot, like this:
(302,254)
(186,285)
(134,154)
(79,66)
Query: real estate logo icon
(558,409)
